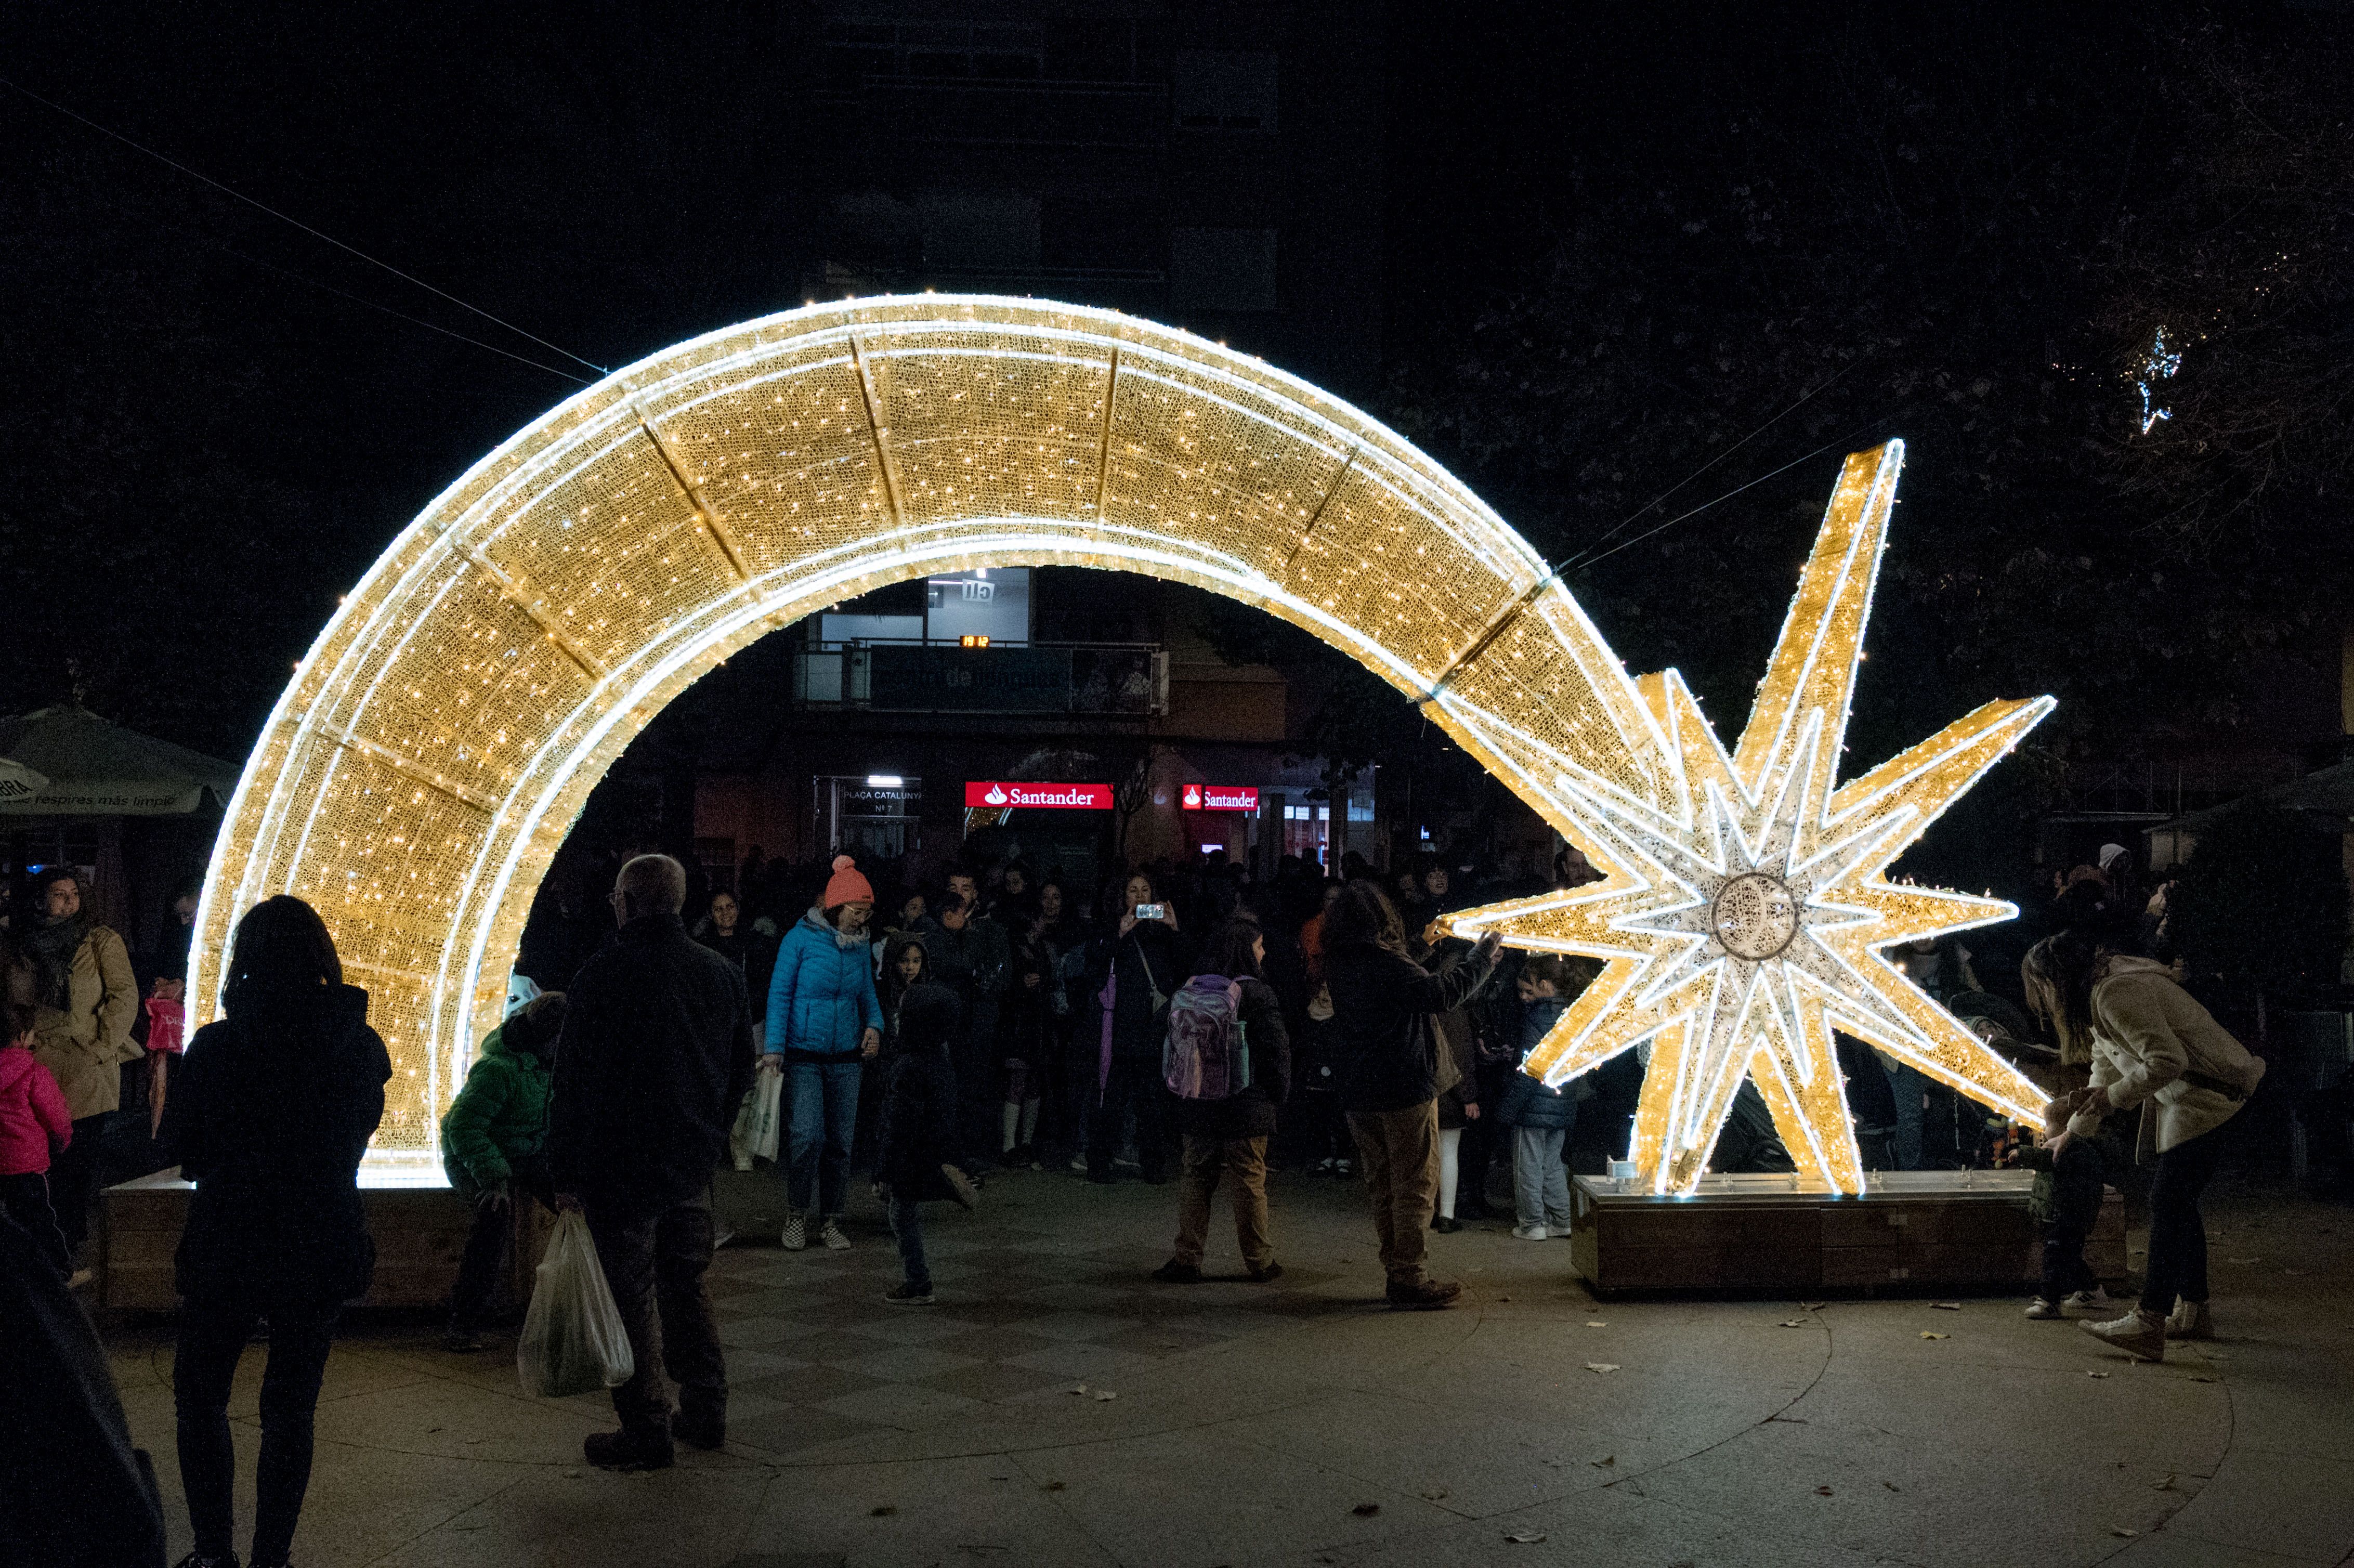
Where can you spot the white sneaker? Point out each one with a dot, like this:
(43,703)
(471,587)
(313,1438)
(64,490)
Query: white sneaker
(2085,1300)
(742,1162)
(1558,1233)
(1078,1164)
(2043,1311)
(1532,1233)
(796,1235)
(831,1233)
(2190,1321)
(722,1237)
(2137,1333)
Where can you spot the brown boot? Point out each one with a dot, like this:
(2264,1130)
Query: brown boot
(1423,1295)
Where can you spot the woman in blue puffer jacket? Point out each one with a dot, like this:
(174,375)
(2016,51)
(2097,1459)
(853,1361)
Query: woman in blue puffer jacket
(824,1023)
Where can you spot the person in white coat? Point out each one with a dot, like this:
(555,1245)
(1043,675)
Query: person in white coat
(2156,1049)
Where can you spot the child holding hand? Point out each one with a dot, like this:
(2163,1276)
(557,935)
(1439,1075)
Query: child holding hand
(33,1118)
(1540,1116)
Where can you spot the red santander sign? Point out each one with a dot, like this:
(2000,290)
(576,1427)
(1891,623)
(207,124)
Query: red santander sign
(1062,797)
(1219,798)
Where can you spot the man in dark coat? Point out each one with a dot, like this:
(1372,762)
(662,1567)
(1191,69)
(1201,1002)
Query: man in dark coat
(656,1055)
(1381,1006)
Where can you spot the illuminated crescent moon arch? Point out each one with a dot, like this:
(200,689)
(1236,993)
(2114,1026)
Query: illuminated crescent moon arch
(440,737)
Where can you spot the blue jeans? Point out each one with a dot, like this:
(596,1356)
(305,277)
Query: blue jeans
(907,1230)
(825,1119)
(1540,1181)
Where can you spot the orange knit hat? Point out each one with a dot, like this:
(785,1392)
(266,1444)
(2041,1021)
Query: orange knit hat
(846,886)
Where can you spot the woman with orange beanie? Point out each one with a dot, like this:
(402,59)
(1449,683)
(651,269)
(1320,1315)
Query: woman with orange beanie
(824,1023)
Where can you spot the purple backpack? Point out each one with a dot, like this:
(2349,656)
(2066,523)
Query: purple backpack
(1206,1056)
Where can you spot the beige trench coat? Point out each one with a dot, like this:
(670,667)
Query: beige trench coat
(85,1046)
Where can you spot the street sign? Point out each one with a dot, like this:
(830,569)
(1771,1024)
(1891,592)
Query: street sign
(1061,797)
(1219,798)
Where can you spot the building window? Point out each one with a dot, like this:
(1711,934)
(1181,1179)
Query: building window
(1222,268)
(1223,90)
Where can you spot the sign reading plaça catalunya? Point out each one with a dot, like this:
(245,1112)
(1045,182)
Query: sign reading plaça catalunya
(1065,797)
(1220,798)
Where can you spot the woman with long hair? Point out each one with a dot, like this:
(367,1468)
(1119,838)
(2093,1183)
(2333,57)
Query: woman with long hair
(2154,1048)
(1228,1135)
(1389,1067)
(272,1110)
(1135,973)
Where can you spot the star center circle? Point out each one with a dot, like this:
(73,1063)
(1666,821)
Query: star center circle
(1755,915)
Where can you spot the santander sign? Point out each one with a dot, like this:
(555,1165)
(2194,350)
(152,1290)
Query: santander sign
(1060,797)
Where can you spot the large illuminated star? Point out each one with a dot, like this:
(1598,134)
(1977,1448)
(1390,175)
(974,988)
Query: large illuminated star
(1745,917)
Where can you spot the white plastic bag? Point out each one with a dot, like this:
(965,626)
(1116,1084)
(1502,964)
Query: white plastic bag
(755,1132)
(572,1337)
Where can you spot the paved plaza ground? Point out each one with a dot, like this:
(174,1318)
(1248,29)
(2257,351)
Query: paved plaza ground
(1300,1424)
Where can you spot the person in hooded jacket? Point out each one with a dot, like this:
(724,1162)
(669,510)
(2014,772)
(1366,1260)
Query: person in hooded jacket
(270,1114)
(916,1151)
(825,1022)
(494,1151)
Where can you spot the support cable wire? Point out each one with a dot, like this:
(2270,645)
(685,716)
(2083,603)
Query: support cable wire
(1822,386)
(298,223)
(1736,490)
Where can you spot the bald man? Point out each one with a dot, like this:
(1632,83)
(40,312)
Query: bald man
(657,1054)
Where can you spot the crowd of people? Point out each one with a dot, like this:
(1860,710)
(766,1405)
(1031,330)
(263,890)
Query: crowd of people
(1199,1027)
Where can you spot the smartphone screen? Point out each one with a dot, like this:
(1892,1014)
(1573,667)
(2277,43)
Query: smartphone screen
(1148,911)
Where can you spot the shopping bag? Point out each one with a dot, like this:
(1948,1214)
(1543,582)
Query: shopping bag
(755,1132)
(572,1337)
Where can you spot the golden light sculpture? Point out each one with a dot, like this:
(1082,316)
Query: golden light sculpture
(443,733)
(1744,915)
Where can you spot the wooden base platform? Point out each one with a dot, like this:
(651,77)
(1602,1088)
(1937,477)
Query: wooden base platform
(1914,1230)
(420,1229)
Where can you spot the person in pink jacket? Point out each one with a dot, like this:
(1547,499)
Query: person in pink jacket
(32,1116)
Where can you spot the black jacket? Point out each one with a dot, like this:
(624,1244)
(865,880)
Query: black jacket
(269,1113)
(1381,1004)
(655,1056)
(1250,1114)
(1151,956)
(916,1132)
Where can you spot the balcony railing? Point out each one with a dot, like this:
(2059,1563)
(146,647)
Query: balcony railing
(1126,679)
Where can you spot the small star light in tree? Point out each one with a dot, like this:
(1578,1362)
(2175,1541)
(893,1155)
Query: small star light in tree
(2159,365)
(1744,915)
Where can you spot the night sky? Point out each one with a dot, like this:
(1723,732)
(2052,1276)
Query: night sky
(1622,243)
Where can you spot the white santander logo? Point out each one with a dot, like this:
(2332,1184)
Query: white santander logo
(996,796)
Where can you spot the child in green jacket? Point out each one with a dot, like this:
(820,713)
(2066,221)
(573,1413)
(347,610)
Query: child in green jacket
(494,1145)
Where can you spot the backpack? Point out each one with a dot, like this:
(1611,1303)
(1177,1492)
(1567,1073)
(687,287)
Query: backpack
(1206,1056)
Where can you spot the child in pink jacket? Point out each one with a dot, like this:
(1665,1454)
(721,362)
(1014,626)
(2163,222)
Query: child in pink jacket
(32,1115)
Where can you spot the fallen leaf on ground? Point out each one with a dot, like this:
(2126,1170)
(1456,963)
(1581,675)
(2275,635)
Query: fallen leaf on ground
(1503,1299)
(1434,1494)
(2202,1380)
(1103,1394)
(1892,1486)
(1600,1464)
(2164,1484)
(1794,1323)
(1526,1537)
(1081,1389)
(883,1511)
(2120,1530)
(1927,1335)
(1596,1324)
(1947,1305)
(1602,1366)
(1366,1511)
(1053,1486)
(2095,1374)
(1822,1491)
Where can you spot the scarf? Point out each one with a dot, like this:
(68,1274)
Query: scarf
(51,945)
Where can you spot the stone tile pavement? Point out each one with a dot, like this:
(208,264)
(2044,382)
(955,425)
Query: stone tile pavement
(1300,1424)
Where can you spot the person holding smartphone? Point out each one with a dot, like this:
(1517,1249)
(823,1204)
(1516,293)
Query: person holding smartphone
(1139,968)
